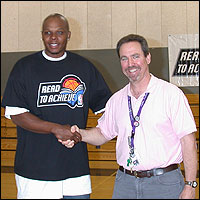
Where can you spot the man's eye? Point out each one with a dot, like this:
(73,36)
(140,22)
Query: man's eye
(47,33)
(135,56)
(123,59)
(60,32)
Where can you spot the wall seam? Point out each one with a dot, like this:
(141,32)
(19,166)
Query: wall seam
(186,15)
(18,27)
(111,21)
(136,16)
(87,25)
(161,37)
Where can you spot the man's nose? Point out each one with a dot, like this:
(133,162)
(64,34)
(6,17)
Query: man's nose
(53,36)
(131,61)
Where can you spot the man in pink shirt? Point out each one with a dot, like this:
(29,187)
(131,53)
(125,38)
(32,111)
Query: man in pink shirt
(155,131)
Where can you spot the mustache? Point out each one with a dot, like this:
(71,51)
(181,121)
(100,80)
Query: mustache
(133,67)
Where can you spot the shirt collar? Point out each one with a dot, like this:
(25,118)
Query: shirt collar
(54,59)
(149,87)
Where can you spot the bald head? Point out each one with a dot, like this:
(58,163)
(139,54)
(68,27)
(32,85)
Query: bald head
(56,15)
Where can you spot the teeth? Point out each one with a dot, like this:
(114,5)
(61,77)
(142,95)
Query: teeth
(132,70)
(54,45)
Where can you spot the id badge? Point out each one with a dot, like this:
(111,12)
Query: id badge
(132,161)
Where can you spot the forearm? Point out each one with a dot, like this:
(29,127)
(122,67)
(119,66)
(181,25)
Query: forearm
(32,123)
(93,136)
(189,151)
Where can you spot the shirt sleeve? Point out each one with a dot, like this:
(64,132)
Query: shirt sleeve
(99,91)
(181,115)
(14,111)
(15,94)
(107,122)
(99,111)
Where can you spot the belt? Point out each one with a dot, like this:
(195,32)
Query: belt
(149,173)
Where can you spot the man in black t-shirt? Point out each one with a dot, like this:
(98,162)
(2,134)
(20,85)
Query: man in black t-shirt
(46,93)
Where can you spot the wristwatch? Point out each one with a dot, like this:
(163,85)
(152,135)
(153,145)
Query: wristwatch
(191,183)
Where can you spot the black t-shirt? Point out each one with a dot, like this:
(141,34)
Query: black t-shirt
(60,92)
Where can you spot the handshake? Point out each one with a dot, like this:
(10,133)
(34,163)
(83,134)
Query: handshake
(72,139)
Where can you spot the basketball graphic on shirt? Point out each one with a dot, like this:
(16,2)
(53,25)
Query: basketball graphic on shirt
(71,83)
(72,90)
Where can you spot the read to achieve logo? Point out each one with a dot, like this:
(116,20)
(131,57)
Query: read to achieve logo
(187,63)
(69,91)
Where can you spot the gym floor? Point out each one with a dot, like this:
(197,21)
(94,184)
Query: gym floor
(102,184)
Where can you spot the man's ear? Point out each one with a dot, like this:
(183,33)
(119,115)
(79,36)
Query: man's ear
(148,58)
(68,35)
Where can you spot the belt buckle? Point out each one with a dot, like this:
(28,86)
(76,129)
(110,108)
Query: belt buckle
(148,173)
(159,172)
(135,174)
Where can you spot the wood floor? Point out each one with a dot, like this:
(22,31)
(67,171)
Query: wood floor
(102,184)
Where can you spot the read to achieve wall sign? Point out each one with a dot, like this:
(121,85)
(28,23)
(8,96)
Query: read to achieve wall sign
(183,53)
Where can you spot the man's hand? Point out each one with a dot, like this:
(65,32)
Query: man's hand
(73,139)
(187,193)
(67,143)
(64,133)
